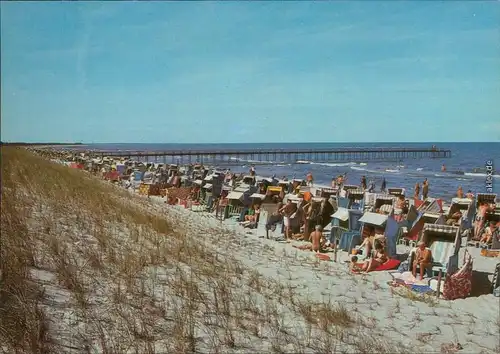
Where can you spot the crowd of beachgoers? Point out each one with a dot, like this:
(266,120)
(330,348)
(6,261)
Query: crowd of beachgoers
(305,212)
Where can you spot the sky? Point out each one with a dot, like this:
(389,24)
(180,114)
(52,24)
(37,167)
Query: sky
(222,72)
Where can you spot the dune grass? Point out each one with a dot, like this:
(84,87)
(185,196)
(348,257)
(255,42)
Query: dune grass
(88,267)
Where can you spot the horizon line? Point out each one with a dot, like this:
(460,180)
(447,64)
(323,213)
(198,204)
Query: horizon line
(254,143)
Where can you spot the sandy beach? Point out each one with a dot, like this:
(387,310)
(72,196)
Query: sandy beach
(117,272)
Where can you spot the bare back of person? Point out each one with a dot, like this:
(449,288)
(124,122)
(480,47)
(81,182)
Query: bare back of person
(317,240)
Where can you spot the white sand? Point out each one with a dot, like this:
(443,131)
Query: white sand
(385,320)
(473,322)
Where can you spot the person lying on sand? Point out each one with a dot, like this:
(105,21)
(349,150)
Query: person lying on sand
(378,259)
(423,257)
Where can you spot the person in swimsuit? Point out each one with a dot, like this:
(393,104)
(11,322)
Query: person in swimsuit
(454,219)
(479,223)
(460,192)
(317,239)
(378,259)
(383,185)
(288,210)
(363,183)
(416,195)
(423,257)
(487,235)
(425,189)
(310,179)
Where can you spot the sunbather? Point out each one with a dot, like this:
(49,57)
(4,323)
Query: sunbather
(379,258)
(454,219)
(487,235)
(479,223)
(423,257)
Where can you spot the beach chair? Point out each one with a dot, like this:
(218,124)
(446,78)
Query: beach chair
(232,211)
(467,208)
(392,232)
(444,242)
(261,223)
(349,219)
(356,199)
(387,209)
(489,198)
(343,202)
(412,236)
(369,221)
(381,200)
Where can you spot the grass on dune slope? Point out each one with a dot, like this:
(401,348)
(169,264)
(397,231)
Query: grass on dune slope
(87,267)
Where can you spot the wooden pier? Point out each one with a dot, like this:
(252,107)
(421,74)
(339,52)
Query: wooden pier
(268,156)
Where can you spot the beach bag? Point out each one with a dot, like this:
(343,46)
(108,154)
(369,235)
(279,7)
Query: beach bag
(403,267)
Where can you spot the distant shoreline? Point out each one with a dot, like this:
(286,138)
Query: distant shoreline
(39,144)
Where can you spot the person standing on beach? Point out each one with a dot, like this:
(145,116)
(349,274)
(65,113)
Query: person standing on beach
(288,210)
(252,170)
(383,186)
(425,189)
(460,192)
(310,179)
(363,183)
(416,195)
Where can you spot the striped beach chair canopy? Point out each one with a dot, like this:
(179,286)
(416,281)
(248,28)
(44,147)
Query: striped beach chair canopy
(348,187)
(386,208)
(444,229)
(373,219)
(490,198)
(396,191)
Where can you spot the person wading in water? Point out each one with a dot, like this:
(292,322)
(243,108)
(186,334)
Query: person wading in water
(383,186)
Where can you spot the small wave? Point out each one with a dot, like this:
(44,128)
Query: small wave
(392,171)
(358,168)
(420,169)
(479,174)
(400,166)
(340,164)
(303,162)
(361,163)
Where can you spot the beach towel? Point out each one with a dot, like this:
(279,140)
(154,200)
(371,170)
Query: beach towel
(389,265)
(422,289)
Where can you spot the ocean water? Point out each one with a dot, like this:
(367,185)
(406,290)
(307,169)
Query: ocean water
(404,173)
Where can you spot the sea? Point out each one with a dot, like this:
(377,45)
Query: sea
(403,173)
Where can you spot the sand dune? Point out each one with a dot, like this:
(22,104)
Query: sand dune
(91,268)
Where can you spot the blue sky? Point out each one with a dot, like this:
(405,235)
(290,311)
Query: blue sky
(204,72)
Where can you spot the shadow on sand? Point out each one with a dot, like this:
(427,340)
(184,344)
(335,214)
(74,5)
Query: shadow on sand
(481,285)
